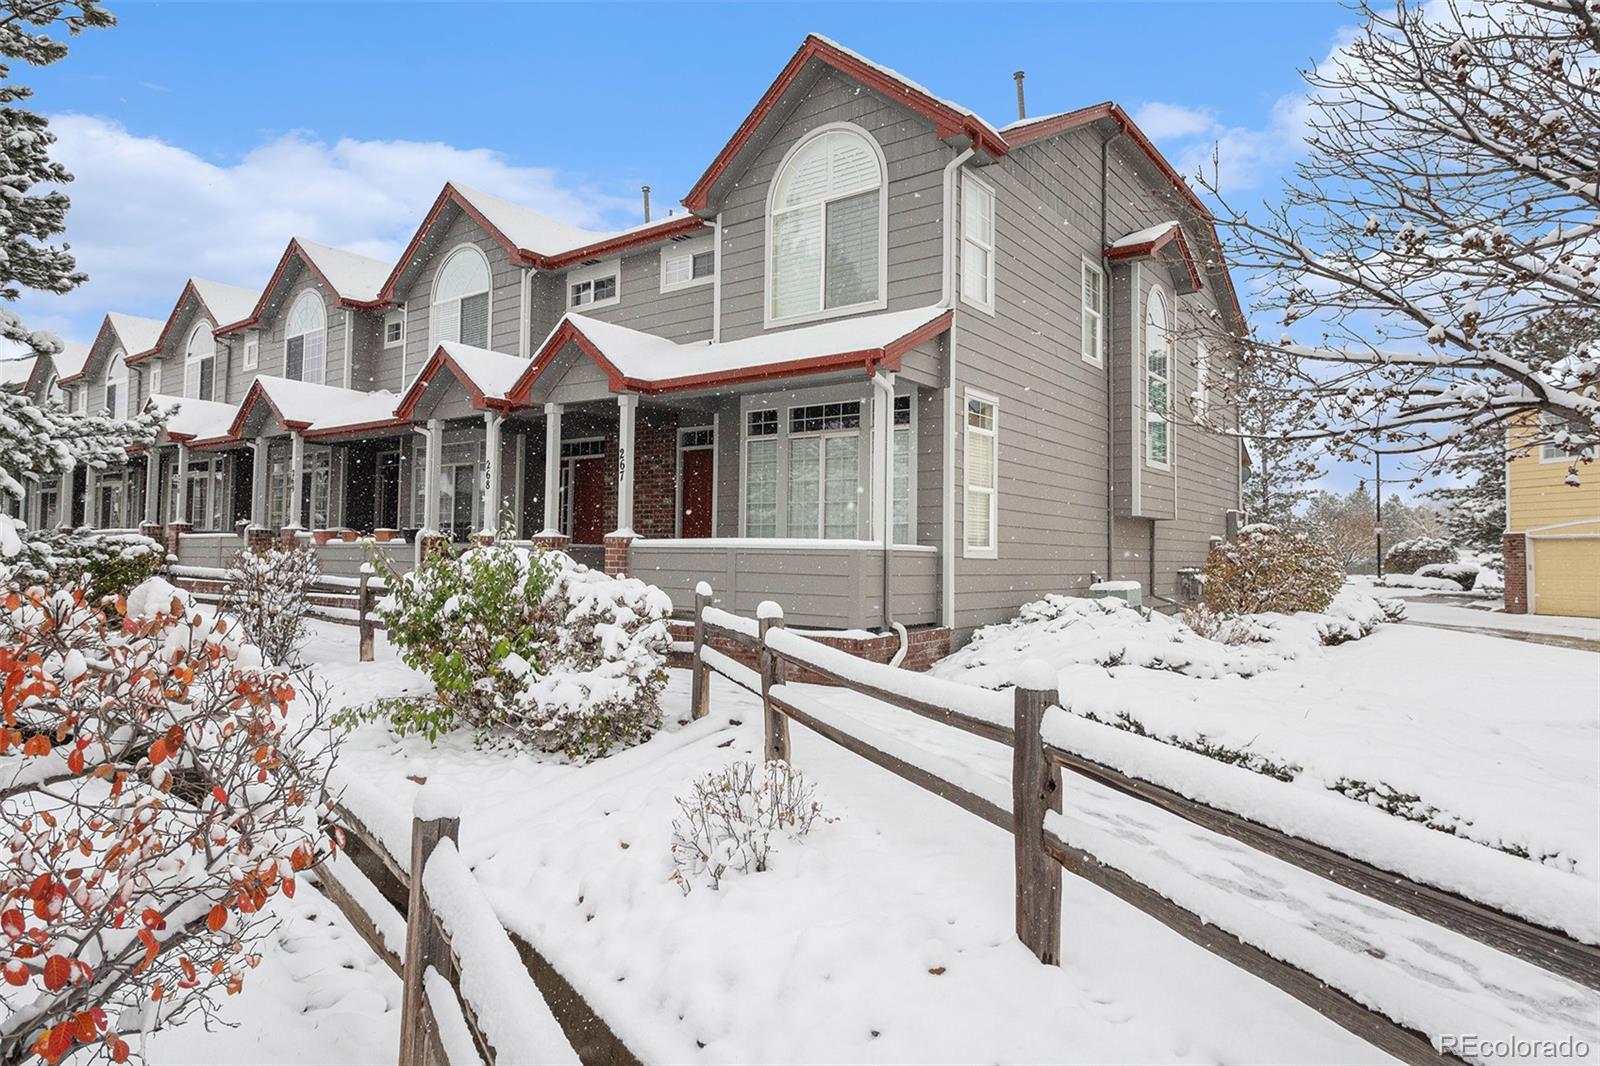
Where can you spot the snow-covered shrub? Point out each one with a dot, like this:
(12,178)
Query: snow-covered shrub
(110,563)
(1408,556)
(268,593)
(1270,569)
(157,794)
(529,646)
(734,817)
(1463,574)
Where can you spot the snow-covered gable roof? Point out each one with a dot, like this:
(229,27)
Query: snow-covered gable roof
(527,229)
(1164,241)
(315,409)
(194,419)
(136,334)
(227,303)
(487,376)
(354,277)
(16,373)
(70,360)
(648,363)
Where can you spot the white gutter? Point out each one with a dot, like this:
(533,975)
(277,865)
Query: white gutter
(947,549)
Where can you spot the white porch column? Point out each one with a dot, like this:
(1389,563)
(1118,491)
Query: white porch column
(881,476)
(297,470)
(430,475)
(68,485)
(492,503)
(91,489)
(552,470)
(627,410)
(152,486)
(260,476)
(181,499)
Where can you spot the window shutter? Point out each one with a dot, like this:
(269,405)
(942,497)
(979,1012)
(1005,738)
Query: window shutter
(474,322)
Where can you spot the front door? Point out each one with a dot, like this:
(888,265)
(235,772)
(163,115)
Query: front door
(588,500)
(694,501)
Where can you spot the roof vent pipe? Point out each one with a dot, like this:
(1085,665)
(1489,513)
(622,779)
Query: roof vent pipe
(1022,107)
(646,190)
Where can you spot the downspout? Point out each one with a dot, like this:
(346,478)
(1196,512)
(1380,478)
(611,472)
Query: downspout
(947,533)
(885,384)
(1107,325)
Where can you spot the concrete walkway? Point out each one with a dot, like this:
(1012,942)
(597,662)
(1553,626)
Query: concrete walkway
(1555,640)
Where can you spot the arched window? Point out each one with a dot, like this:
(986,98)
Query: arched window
(826,226)
(117,386)
(461,299)
(200,364)
(1157,378)
(305,343)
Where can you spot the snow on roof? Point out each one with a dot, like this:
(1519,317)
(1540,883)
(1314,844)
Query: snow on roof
(492,373)
(137,334)
(890,72)
(227,303)
(527,228)
(645,357)
(195,419)
(1146,235)
(354,277)
(324,407)
(16,371)
(70,359)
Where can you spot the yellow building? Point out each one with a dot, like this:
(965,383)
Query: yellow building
(1552,540)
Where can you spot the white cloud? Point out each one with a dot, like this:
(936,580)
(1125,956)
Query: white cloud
(147,214)
(1246,157)
(1173,121)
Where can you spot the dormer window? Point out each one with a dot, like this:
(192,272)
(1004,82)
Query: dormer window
(826,227)
(460,310)
(117,386)
(594,286)
(305,345)
(200,364)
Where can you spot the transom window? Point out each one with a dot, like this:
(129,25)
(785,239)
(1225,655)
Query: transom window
(982,467)
(823,417)
(687,263)
(305,346)
(697,438)
(590,448)
(825,227)
(1157,376)
(594,286)
(1094,307)
(200,364)
(461,299)
(117,386)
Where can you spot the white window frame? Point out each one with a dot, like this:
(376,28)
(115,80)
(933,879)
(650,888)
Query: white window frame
(1156,291)
(155,378)
(250,358)
(882,301)
(198,362)
(611,268)
(780,461)
(689,249)
(1098,355)
(434,339)
(968,550)
(118,408)
(308,297)
(910,429)
(984,303)
(677,502)
(393,318)
(863,441)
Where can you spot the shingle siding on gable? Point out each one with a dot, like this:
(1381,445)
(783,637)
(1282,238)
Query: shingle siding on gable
(915,159)
(505,285)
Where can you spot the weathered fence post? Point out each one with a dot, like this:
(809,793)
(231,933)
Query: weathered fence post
(770,616)
(1035,789)
(699,683)
(436,816)
(364,608)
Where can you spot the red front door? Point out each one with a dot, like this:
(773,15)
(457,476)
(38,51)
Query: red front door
(695,514)
(589,501)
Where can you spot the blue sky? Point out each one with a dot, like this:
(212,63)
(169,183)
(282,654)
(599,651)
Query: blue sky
(205,135)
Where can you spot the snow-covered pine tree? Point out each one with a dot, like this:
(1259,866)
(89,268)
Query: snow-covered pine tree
(1474,506)
(41,441)
(1282,466)
(1450,195)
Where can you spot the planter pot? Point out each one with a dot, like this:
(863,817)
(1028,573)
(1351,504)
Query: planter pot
(322,536)
(349,536)
(385,535)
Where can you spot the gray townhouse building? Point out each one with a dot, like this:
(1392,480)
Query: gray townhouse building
(894,366)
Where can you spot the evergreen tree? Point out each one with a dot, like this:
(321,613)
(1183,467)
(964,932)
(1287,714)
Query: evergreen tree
(1282,467)
(1475,507)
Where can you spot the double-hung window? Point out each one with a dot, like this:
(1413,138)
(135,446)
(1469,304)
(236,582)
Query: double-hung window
(687,263)
(761,474)
(594,286)
(200,364)
(305,346)
(1157,377)
(1094,311)
(460,310)
(982,468)
(825,227)
(824,470)
(977,243)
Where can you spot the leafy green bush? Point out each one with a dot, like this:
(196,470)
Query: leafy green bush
(1409,556)
(111,563)
(528,646)
(1269,569)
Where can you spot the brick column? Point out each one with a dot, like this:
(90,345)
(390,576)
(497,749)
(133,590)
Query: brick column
(257,538)
(152,530)
(432,544)
(1514,550)
(481,539)
(617,551)
(289,536)
(175,532)
(552,542)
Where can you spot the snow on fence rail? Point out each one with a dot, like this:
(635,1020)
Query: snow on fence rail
(1522,909)
(348,601)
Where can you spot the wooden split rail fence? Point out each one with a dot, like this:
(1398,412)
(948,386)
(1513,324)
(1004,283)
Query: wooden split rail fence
(1036,793)
(346,601)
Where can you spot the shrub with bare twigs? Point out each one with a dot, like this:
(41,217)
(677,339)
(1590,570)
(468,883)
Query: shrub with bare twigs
(734,817)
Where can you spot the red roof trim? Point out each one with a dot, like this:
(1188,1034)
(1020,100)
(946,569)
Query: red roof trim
(73,379)
(1151,247)
(359,427)
(440,359)
(447,195)
(236,428)
(664,229)
(946,119)
(135,358)
(295,249)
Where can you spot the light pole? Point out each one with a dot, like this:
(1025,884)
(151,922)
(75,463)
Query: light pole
(1377,479)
